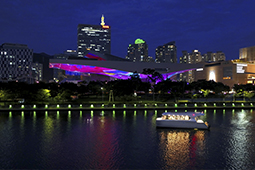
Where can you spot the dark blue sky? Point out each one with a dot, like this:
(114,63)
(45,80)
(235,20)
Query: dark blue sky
(50,26)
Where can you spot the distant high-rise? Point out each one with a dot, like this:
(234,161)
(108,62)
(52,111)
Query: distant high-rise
(247,54)
(138,52)
(166,53)
(189,58)
(93,37)
(15,62)
(213,57)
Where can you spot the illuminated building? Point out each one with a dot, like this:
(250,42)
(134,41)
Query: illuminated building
(41,70)
(60,74)
(116,68)
(166,53)
(212,57)
(37,71)
(189,58)
(196,57)
(138,52)
(228,72)
(247,54)
(15,62)
(93,37)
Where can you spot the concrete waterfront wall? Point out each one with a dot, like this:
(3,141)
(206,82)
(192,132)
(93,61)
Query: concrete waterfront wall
(134,106)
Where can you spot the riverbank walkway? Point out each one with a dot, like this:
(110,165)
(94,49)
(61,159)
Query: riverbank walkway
(183,105)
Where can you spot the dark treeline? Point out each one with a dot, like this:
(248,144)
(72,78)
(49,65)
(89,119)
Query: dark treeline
(122,90)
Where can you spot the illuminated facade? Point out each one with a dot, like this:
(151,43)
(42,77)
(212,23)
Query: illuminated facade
(213,57)
(15,62)
(247,54)
(115,67)
(93,37)
(166,53)
(196,57)
(189,58)
(228,72)
(138,52)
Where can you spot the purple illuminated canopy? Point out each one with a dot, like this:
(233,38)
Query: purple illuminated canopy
(106,71)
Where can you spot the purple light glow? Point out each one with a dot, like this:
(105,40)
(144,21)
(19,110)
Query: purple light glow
(105,71)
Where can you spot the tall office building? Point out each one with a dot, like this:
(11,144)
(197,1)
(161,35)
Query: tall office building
(166,53)
(213,57)
(138,52)
(247,54)
(15,62)
(94,37)
(189,58)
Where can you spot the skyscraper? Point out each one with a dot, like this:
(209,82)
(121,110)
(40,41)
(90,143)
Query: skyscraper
(166,53)
(189,58)
(138,52)
(93,37)
(15,62)
(247,54)
(212,57)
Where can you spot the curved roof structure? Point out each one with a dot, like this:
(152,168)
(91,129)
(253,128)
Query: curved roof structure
(121,69)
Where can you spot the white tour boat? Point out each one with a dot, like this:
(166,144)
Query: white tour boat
(182,120)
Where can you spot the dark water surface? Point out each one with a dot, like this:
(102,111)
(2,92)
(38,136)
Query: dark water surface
(124,140)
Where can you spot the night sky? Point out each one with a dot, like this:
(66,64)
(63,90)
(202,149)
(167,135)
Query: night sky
(50,26)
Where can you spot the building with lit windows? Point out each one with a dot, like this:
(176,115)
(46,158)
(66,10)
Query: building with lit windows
(93,37)
(196,57)
(212,57)
(166,53)
(15,62)
(189,58)
(247,54)
(227,72)
(138,52)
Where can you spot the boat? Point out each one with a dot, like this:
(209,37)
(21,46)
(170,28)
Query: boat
(187,120)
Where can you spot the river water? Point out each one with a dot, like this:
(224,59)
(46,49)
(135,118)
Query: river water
(124,140)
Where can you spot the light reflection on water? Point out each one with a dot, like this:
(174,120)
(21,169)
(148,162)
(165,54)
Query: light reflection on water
(124,140)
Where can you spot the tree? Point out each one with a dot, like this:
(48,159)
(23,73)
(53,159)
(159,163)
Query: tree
(153,77)
(205,92)
(43,95)
(248,95)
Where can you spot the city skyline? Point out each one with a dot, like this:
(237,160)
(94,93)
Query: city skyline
(51,26)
